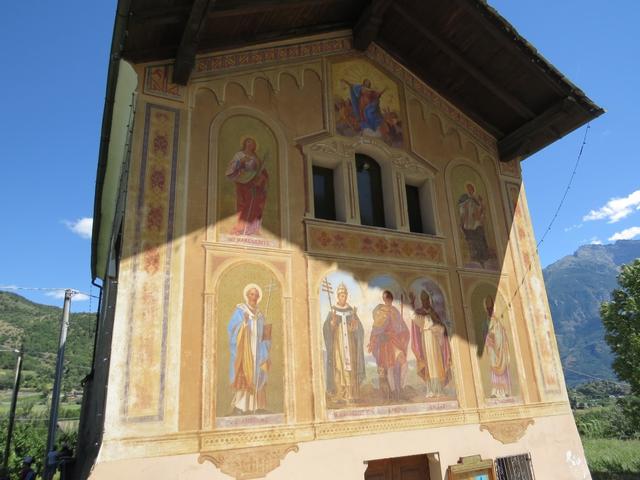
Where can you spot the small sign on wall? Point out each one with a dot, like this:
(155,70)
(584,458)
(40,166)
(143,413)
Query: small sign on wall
(472,468)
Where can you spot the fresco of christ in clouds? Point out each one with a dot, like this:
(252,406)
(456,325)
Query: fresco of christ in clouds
(366,102)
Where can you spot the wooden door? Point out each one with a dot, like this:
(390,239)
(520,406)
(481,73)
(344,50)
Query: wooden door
(415,467)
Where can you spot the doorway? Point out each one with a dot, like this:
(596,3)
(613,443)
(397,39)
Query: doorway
(414,467)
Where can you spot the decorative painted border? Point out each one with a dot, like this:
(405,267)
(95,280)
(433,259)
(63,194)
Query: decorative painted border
(157,81)
(217,63)
(340,241)
(526,260)
(410,80)
(510,168)
(194,442)
(153,237)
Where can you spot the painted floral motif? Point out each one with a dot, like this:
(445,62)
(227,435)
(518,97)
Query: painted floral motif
(157,180)
(151,260)
(155,217)
(214,63)
(537,310)
(160,145)
(511,168)
(158,82)
(354,243)
(153,231)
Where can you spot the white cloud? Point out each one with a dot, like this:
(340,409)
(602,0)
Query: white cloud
(626,234)
(595,241)
(573,227)
(77,297)
(616,209)
(82,226)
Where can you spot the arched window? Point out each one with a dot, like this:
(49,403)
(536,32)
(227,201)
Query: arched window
(370,195)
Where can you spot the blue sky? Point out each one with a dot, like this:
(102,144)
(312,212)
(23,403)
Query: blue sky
(52,91)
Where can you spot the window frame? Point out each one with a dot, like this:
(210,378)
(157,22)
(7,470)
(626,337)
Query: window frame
(398,168)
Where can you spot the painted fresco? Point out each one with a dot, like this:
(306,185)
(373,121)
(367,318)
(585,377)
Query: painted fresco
(473,218)
(384,344)
(249,352)
(534,290)
(431,331)
(366,102)
(248,183)
(494,339)
(153,226)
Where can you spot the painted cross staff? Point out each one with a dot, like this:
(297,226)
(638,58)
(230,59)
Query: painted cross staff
(269,289)
(327,287)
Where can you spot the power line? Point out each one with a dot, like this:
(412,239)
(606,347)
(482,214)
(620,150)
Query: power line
(594,377)
(46,289)
(554,217)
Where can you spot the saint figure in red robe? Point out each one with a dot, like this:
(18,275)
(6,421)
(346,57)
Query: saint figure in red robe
(246,169)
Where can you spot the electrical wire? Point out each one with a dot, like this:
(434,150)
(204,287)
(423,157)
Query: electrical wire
(553,218)
(47,289)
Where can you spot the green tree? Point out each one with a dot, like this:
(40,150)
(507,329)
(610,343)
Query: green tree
(621,319)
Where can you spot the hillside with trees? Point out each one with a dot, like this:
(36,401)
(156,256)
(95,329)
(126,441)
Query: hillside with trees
(38,327)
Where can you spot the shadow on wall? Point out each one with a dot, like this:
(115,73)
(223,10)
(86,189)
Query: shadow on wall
(389,319)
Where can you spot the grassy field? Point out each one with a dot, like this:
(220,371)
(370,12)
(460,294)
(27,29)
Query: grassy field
(611,459)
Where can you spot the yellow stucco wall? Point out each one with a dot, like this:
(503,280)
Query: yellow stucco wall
(187,258)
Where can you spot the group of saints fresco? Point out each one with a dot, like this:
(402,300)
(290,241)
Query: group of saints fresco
(395,350)
(399,351)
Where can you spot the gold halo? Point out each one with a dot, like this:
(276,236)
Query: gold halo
(252,137)
(248,287)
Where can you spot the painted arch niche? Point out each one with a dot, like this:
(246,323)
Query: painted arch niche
(385,344)
(249,359)
(248,182)
(496,353)
(473,219)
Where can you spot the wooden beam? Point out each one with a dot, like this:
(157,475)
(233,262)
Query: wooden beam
(160,16)
(368,25)
(235,9)
(495,26)
(519,142)
(455,55)
(243,41)
(417,69)
(186,56)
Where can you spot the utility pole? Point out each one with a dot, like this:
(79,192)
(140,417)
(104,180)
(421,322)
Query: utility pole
(57,383)
(12,412)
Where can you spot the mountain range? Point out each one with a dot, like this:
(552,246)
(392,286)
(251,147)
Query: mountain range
(576,286)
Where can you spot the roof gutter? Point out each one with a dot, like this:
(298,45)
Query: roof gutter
(117,46)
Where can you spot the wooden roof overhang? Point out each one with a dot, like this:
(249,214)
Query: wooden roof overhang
(461,48)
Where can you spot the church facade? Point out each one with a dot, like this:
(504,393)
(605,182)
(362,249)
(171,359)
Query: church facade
(316,265)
